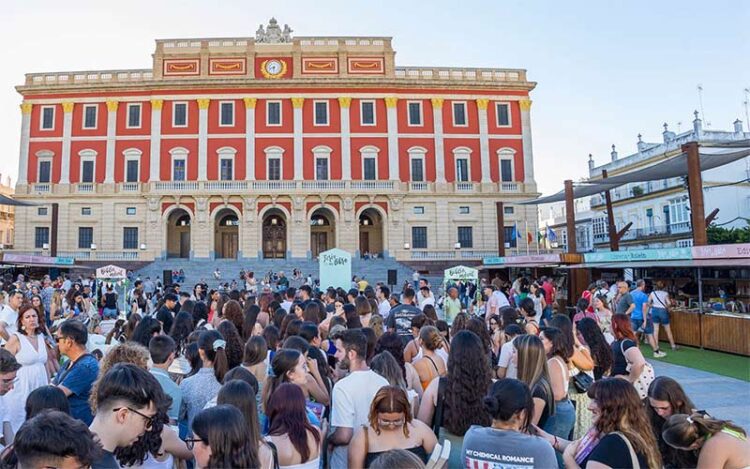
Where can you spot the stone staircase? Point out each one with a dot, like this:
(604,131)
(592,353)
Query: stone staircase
(197,270)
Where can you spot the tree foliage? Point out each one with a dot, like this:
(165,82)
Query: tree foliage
(721,235)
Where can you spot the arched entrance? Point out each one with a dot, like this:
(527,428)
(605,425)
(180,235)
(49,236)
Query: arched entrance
(371,233)
(226,234)
(274,234)
(178,234)
(322,231)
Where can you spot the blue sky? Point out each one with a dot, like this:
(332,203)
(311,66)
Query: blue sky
(605,70)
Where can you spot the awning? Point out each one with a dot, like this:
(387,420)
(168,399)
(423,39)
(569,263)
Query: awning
(5,200)
(517,266)
(710,157)
(659,264)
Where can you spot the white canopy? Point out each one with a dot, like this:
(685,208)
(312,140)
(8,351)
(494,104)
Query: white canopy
(111,271)
(461,272)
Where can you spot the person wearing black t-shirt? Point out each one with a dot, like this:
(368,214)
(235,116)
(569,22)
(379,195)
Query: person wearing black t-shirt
(399,319)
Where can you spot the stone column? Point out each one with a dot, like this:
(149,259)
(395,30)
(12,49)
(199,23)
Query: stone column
(23,154)
(109,177)
(155,149)
(437,113)
(203,138)
(528,153)
(250,139)
(67,130)
(484,139)
(346,142)
(298,158)
(393,151)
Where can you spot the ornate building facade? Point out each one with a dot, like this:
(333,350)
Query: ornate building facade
(274,147)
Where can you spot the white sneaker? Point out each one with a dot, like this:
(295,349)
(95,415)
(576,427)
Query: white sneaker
(659,354)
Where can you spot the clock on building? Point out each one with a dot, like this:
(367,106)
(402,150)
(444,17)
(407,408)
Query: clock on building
(273,68)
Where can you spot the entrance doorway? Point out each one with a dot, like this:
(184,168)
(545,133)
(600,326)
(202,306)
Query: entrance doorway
(178,234)
(226,234)
(274,235)
(371,235)
(322,231)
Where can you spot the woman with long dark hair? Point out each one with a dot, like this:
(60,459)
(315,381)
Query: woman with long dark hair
(254,358)
(203,386)
(289,366)
(665,399)
(182,327)
(220,439)
(721,443)
(145,330)
(232,311)
(454,403)
(559,350)
(298,442)
(620,431)
(250,320)
(391,342)
(593,338)
(234,343)
(352,318)
(238,393)
(391,426)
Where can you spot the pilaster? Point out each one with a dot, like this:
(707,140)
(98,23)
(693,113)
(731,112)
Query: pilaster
(484,139)
(250,141)
(528,152)
(23,160)
(393,150)
(437,113)
(67,131)
(155,148)
(346,145)
(203,104)
(109,177)
(297,104)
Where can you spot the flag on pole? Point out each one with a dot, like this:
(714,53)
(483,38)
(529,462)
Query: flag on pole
(551,235)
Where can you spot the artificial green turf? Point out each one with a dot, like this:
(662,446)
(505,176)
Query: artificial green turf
(726,364)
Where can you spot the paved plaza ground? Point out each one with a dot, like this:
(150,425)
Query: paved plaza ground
(723,397)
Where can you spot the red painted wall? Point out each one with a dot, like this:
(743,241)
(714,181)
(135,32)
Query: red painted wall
(213,157)
(405,164)
(192,120)
(515,119)
(472,118)
(308,117)
(287,117)
(308,161)
(101,121)
(100,147)
(427,120)
(379,142)
(36,123)
(287,158)
(495,145)
(122,119)
(165,164)
(475,159)
(145,161)
(54,147)
(381,117)
(213,117)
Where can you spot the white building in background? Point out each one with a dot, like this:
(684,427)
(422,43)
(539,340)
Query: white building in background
(553,216)
(660,210)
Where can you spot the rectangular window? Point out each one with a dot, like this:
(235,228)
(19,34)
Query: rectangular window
(129,210)
(506,170)
(227,114)
(459,114)
(462,169)
(179,115)
(508,210)
(41,237)
(86,211)
(131,171)
(321,112)
(178,169)
(274,169)
(464,210)
(134,116)
(370,171)
(417,170)
(45,170)
(48,118)
(503,114)
(273,112)
(85,237)
(367,112)
(466,236)
(130,238)
(415,112)
(419,210)
(419,237)
(87,171)
(89,116)
(42,211)
(510,237)
(678,212)
(321,169)
(226,169)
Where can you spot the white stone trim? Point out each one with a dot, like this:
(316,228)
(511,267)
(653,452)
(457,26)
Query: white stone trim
(421,112)
(203,144)
(484,144)
(528,152)
(322,152)
(453,113)
(506,153)
(155,146)
(234,119)
(132,154)
(374,112)
(419,153)
(144,136)
(315,113)
(65,156)
(465,154)
(187,113)
(96,116)
(128,107)
(109,167)
(369,152)
(86,155)
(41,117)
(346,144)
(439,145)
(249,143)
(23,153)
(44,156)
(178,153)
(281,112)
(277,153)
(497,114)
(298,144)
(226,153)
(282,96)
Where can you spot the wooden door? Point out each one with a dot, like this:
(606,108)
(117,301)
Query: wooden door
(185,244)
(319,243)
(364,242)
(229,245)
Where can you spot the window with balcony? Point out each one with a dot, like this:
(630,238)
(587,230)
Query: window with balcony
(45,171)
(462,169)
(85,237)
(466,236)
(367,112)
(419,237)
(131,170)
(134,116)
(417,169)
(130,238)
(321,156)
(414,109)
(226,113)
(369,167)
(47,118)
(503,114)
(41,237)
(89,116)
(87,170)
(179,114)
(179,163)
(505,157)
(459,114)
(226,169)
(274,169)
(273,113)
(321,112)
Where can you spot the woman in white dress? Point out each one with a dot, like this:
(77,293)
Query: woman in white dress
(28,346)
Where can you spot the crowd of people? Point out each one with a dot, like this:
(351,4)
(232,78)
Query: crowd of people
(307,378)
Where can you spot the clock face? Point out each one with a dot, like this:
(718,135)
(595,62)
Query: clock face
(273,67)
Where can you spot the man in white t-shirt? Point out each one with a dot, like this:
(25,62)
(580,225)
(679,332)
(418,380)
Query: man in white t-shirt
(9,314)
(289,294)
(352,395)
(381,295)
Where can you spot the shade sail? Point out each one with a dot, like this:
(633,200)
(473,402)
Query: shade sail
(5,200)
(661,263)
(710,158)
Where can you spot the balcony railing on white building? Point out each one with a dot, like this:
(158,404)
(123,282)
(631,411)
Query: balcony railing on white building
(631,191)
(646,233)
(225,185)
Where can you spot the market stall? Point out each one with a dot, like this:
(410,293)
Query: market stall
(116,277)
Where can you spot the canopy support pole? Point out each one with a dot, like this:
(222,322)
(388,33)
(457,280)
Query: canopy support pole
(53,230)
(695,190)
(500,229)
(700,305)
(570,217)
(614,240)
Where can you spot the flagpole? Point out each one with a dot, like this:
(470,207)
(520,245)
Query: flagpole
(538,239)
(526,230)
